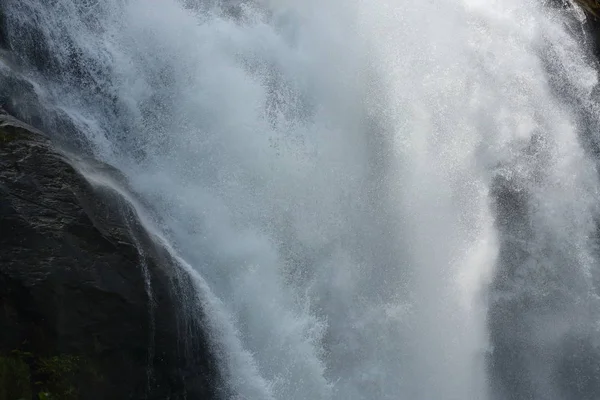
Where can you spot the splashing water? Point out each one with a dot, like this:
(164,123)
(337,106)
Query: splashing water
(329,171)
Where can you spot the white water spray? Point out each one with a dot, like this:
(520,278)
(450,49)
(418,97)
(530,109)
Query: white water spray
(325,168)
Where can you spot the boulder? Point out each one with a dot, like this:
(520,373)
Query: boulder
(90,304)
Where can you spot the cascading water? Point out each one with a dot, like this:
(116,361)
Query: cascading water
(342,179)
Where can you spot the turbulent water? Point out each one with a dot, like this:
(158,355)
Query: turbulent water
(378,199)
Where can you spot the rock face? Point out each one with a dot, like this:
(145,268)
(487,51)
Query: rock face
(83,312)
(592,24)
(592,7)
(544,343)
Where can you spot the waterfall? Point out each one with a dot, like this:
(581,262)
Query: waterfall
(377,199)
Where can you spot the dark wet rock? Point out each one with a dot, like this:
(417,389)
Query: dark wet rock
(542,326)
(76,316)
(591,7)
(592,22)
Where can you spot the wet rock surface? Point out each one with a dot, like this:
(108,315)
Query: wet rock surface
(83,312)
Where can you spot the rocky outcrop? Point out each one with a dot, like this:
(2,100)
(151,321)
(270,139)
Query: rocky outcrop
(592,7)
(544,339)
(592,23)
(84,313)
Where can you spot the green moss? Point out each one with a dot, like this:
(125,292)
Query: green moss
(60,372)
(14,379)
(6,137)
(56,376)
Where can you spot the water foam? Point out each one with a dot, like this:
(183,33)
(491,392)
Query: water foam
(324,170)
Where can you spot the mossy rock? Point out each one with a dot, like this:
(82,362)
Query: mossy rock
(12,129)
(60,372)
(6,136)
(23,374)
(15,379)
